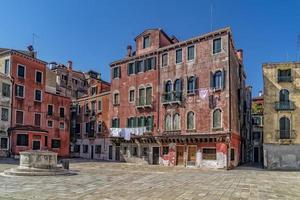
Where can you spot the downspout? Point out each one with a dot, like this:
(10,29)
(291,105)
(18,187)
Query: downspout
(229,106)
(11,110)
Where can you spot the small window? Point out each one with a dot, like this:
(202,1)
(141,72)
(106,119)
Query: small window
(85,148)
(50,123)
(191,86)
(168,122)
(4,114)
(61,125)
(6,66)
(99,105)
(116,99)
(115,123)
(50,110)
(116,72)
(99,127)
(146,42)
(164,59)
(77,148)
(4,143)
(165,150)
(5,90)
(61,112)
(38,95)
(78,128)
(93,106)
(19,117)
(217,119)
(176,122)
(22,140)
(94,90)
(131,96)
(284,75)
(55,144)
(20,91)
(149,63)
(130,68)
(178,56)
(217,45)
(145,151)
(37,119)
(191,53)
(98,149)
(139,66)
(38,77)
(190,120)
(21,71)
(209,154)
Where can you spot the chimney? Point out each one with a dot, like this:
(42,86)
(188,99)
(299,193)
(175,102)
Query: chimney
(69,65)
(129,48)
(260,93)
(174,39)
(239,54)
(32,53)
(99,76)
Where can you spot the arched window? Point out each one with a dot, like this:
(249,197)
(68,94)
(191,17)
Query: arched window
(168,90)
(168,122)
(217,80)
(177,89)
(191,85)
(176,122)
(284,126)
(190,120)
(217,119)
(284,95)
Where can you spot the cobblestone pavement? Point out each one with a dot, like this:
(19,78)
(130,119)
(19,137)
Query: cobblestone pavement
(104,180)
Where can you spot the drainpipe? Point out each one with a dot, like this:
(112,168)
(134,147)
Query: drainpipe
(11,110)
(229,106)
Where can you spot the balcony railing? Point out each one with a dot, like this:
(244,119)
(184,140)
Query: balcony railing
(172,97)
(144,102)
(285,134)
(284,78)
(284,105)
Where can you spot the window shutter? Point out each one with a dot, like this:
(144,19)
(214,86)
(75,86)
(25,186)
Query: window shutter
(223,79)
(211,78)
(154,63)
(128,123)
(135,67)
(152,122)
(128,73)
(196,82)
(145,63)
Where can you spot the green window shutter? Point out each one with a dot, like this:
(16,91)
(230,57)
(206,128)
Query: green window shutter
(223,79)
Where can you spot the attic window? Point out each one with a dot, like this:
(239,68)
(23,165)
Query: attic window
(146,42)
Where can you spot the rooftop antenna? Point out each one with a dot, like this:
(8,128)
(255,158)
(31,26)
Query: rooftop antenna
(211,17)
(33,38)
(298,47)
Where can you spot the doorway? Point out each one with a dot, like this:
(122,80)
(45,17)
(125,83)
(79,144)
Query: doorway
(110,152)
(92,151)
(191,155)
(36,145)
(155,154)
(179,155)
(256,154)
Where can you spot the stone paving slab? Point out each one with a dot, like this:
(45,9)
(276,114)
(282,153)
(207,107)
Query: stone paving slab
(118,181)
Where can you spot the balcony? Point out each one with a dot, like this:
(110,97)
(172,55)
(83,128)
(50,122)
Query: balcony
(286,134)
(172,98)
(143,102)
(284,105)
(284,79)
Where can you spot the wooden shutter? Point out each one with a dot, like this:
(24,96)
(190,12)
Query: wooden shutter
(146,63)
(154,63)
(223,79)
(128,71)
(211,78)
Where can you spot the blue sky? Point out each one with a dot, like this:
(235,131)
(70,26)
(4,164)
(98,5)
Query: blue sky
(94,33)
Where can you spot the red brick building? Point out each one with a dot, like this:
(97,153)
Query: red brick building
(40,117)
(189,96)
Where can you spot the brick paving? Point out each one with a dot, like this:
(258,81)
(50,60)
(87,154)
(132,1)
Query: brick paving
(104,180)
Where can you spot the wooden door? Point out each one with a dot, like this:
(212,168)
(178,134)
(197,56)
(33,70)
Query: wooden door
(179,155)
(191,155)
(155,155)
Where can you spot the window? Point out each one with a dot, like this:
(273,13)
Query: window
(78,128)
(115,123)
(21,71)
(218,80)
(190,120)
(176,122)
(256,136)
(38,77)
(139,67)
(93,106)
(131,95)
(150,63)
(19,117)
(284,126)
(256,120)
(22,140)
(149,123)
(99,127)
(209,154)
(191,86)
(168,122)
(6,66)
(99,105)
(284,75)
(77,148)
(50,110)
(131,122)
(20,91)
(284,95)
(38,95)
(164,59)
(117,72)
(98,149)
(178,56)
(4,143)
(61,125)
(178,89)
(145,151)
(232,154)
(216,45)
(55,143)
(191,53)
(168,91)
(130,68)
(217,119)
(62,112)
(142,99)
(85,148)
(116,99)
(134,153)
(148,95)
(141,121)
(165,150)
(146,42)
(37,119)
(50,123)
(5,90)
(94,90)
(4,114)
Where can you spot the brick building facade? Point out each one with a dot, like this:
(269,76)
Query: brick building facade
(188,96)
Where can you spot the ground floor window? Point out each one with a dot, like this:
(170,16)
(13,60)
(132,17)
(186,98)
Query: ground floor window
(232,154)
(165,150)
(22,140)
(98,149)
(4,143)
(134,153)
(55,144)
(76,148)
(85,148)
(145,151)
(209,154)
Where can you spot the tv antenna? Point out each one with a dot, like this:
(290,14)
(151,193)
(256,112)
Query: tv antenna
(34,36)
(211,17)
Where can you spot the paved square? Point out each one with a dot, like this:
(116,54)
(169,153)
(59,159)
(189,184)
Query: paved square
(104,180)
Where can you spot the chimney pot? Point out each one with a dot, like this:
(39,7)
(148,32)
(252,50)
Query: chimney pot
(69,65)
(240,55)
(129,48)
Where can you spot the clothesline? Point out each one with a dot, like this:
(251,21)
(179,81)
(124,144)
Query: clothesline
(127,132)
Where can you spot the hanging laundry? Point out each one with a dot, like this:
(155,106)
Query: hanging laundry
(203,93)
(127,134)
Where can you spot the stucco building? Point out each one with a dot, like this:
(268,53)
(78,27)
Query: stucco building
(187,97)
(281,115)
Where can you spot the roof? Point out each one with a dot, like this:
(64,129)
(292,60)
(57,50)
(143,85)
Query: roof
(28,128)
(26,53)
(155,29)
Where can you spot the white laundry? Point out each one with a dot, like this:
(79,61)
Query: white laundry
(127,133)
(115,132)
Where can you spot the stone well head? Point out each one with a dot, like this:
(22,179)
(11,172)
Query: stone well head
(38,159)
